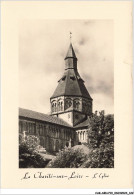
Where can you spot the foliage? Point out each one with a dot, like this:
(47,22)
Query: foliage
(68,158)
(101,140)
(28,153)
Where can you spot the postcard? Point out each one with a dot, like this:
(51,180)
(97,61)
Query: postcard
(66,85)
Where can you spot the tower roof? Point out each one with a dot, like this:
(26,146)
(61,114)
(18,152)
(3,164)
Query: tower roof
(71,84)
(70,53)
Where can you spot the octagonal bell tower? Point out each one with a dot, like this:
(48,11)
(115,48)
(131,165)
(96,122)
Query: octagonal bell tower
(71,100)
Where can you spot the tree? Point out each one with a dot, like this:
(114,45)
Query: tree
(101,140)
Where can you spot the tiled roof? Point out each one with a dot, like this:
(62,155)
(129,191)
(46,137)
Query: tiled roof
(85,123)
(71,84)
(42,117)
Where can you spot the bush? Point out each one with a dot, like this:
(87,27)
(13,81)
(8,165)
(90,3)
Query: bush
(68,158)
(28,154)
(100,158)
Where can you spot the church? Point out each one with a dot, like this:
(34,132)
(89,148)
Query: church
(71,108)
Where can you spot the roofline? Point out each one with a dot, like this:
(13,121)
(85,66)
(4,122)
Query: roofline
(70,96)
(80,128)
(66,111)
(44,121)
(67,125)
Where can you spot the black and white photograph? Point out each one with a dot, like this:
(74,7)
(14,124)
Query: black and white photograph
(66,94)
(66,97)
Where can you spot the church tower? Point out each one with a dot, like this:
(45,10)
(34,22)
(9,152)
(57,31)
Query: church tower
(71,100)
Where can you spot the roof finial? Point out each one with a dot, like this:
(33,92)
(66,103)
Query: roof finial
(70,36)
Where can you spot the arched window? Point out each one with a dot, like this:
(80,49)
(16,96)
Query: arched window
(54,106)
(80,135)
(84,106)
(57,145)
(47,142)
(67,134)
(68,103)
(44,129)
(60,105)
(56,133)
(88,107)
(29,128)
(51,144)
(83,135)
(76,104)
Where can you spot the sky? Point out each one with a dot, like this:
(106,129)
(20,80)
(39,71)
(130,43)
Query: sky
(43,45)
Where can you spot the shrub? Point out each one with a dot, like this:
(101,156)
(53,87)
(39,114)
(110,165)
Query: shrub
(68,158)
(28,154)
(100,158)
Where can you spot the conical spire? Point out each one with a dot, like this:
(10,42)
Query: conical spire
(70,59)
(70,53)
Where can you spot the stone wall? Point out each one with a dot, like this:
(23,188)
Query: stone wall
(71,109)
(52,136)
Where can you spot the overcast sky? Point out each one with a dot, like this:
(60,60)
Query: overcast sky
(43,45)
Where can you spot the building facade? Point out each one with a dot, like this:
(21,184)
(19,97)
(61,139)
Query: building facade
(71,108)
